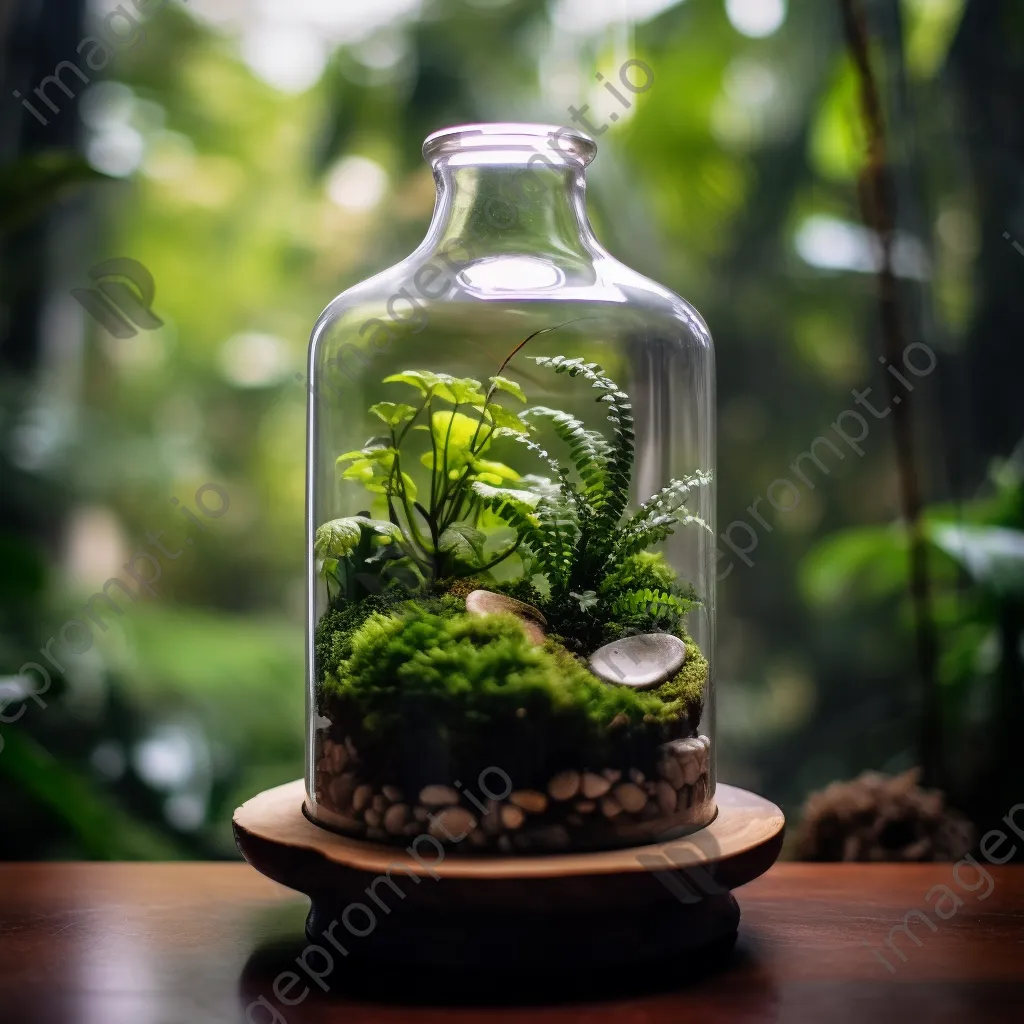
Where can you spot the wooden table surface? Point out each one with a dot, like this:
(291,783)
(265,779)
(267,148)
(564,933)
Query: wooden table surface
(192,943)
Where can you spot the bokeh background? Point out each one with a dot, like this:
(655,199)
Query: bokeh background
(259,156)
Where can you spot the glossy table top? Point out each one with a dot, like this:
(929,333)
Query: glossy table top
(191,943)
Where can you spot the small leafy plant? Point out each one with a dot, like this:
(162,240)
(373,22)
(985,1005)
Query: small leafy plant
(434,536)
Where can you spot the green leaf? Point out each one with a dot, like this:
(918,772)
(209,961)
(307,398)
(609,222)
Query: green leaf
(393,414)
(339,537)
(464,541)
(505,420)
(498,469)
(375,451)
(464,391)
(587,600)
(423,380)
(523,499)
(361,470)
(508,386)
(455,431)
(461,390)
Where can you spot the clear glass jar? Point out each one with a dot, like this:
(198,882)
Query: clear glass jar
(510,508)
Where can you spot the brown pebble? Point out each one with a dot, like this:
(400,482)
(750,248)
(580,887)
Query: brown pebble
(610,807)
(341,789)
(530,800)
(395,818)
(666,798)
(671,772)
(392,793)
(485,602)
(511,816)
(585,806)
(452,824)
(594,786)
(630,796)
(438,796)
(361,797)
(564,785)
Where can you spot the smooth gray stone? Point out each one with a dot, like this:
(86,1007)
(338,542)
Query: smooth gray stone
(639,661)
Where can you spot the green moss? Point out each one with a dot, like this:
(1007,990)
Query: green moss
(684,694)
(426,693)
(644,570)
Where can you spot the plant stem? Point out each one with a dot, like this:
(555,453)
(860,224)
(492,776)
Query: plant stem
(877,206)
(434,488)
(501,558)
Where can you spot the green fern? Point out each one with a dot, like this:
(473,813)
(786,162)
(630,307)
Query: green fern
(657,604)
(579,537)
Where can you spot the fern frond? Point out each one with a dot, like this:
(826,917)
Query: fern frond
(610,502)
(659,516)
(671,497)
(651,532)
(658,604)
(588,449)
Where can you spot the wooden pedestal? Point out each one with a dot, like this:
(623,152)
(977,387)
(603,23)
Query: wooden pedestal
(416,908)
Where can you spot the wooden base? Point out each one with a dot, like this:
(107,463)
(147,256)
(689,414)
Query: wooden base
(552,911)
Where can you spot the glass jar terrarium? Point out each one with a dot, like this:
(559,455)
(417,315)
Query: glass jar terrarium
(510,508)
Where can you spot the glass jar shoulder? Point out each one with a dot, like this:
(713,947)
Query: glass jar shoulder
(435,288)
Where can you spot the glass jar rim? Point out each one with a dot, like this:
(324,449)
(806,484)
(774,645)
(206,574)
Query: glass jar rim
(554,142)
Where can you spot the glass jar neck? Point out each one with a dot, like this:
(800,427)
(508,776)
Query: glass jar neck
(504,202)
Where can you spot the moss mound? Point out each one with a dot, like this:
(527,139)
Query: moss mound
(427,691)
